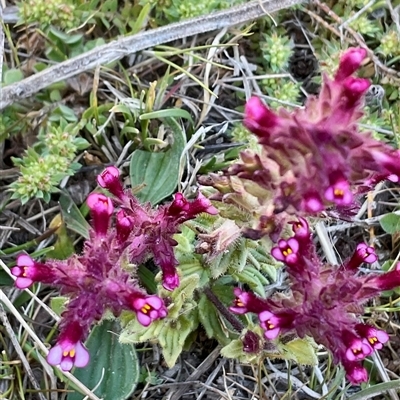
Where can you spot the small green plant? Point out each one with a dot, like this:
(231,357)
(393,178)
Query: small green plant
(276,50)
(60,13)
(48,161)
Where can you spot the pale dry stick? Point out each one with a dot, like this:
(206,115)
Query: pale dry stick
(207,104)
(20,352)
(395,75)
(4,299)
(124,46)
(249,75)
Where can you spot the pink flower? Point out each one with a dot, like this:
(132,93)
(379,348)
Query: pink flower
(69,350)
(259,118)
(301,229)
(350,62)
(312,203)
(149,309)
(170,282)
(274,323)
(376,338)
(355,373)
(109,179)
(339,191)
(286,251)
(28,271)
(240,302)
(363,253)
(124,225)
(101,208)
(354,89)
(201,204)
(387,281)
(357,349)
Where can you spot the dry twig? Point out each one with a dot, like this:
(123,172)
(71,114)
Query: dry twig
(124,46)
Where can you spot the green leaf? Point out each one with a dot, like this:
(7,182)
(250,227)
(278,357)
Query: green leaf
(302,351)
(159,171)
(147,279)
(73,218)
(12,75)
(390,223)
(172,338)
(113,368)
(57,304)
(209,318)
(5,279)
(377,389)
(168,113)
(63,247)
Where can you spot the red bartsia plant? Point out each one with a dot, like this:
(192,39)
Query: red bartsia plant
(325,301)
(98,279)
(310,159)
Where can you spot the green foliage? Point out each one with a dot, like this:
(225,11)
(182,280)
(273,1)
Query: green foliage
(113,368)
(276,50)
(49,12)
(159,171)
(50,160)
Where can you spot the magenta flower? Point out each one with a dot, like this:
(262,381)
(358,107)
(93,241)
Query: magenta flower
(28,271)
(357,349)
(349,63)
(149,309)
(363,253)
(355,373)
(240,302)
(101,208)
(325,302)
(274,323)
(98,280)
(339,192)
(388,281)
(247,302)
(109,179)
(286,251)
(312,159)
(301,229)
(69,350)
(376,338)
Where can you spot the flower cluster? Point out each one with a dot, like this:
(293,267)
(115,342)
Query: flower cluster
(325,301)
(99,278)
(311,159)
